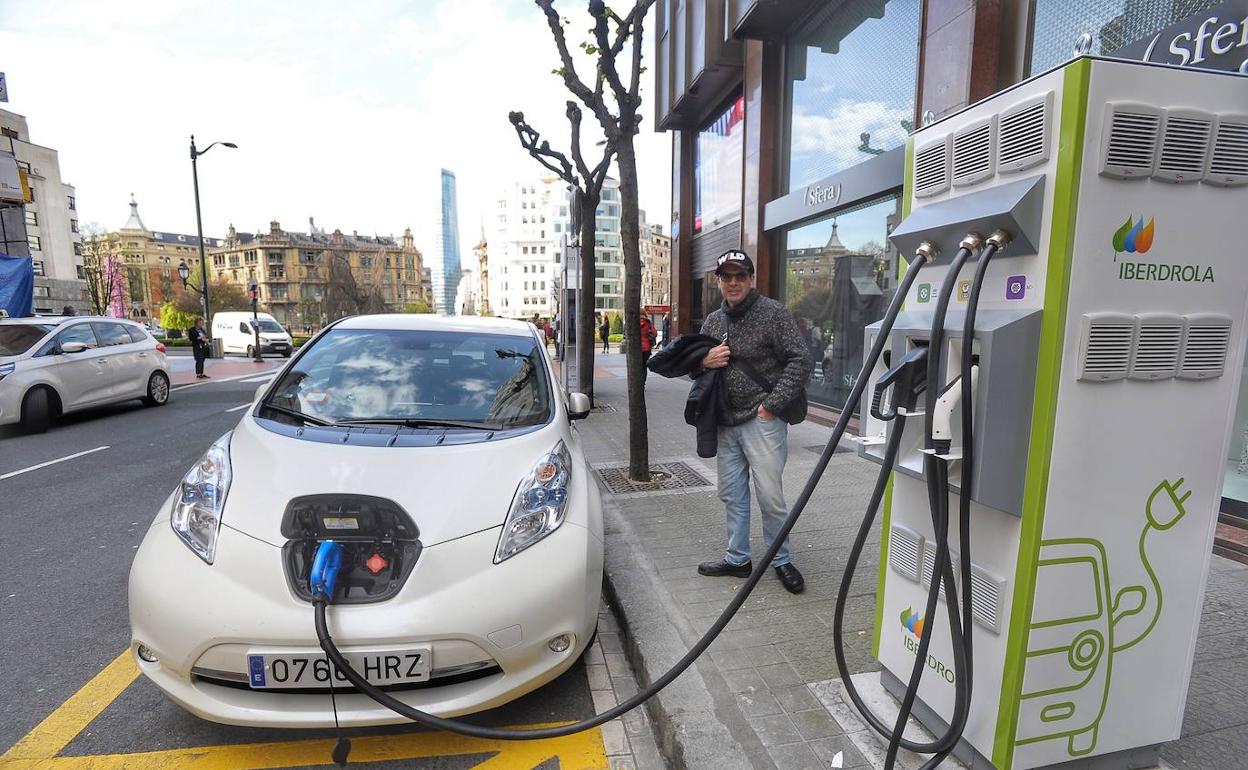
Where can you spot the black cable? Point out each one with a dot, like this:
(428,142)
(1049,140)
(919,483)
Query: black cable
(942,569)
(493,733)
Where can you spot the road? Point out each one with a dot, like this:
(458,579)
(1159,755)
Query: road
(68,532)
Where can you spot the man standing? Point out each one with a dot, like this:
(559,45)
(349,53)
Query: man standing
(604,332)
(767,365)
(200,345)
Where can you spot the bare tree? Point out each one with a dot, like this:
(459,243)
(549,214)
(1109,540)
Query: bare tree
(611,34)
(587,184)
(99,255)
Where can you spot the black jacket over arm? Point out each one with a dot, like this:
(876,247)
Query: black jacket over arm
(706,400)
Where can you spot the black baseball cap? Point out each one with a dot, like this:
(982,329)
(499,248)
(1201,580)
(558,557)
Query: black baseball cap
(734,257)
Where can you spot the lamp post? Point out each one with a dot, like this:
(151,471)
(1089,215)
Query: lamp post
(253,293)
(199,224)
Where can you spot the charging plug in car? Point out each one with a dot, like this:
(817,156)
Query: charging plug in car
(324,575)
(908,380)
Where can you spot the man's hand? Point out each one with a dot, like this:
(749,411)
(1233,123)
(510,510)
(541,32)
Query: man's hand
(716,357)
(764,414)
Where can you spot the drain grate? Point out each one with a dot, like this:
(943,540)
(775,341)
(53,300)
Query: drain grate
(666,476)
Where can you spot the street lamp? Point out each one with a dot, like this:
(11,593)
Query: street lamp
(203,261)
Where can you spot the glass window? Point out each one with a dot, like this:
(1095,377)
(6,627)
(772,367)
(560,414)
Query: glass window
(1111,23)
(37,264)
(16,339)
(32,218)
(111,334)
(838,278)
(851,82)
(78,333)
(392,374)
(136,334)
(717,158)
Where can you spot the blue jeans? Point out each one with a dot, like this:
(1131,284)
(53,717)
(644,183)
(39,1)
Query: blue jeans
(758,448)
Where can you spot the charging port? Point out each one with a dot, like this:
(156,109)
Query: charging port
(379,545)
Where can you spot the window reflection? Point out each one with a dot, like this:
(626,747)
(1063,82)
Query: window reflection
(839,275)
(717,155)
(852,75)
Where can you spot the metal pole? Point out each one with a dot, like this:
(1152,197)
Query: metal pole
(199,224)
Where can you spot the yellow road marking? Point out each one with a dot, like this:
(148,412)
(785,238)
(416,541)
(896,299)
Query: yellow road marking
(38,750)
(59,728)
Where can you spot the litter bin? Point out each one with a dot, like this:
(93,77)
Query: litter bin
(218,349)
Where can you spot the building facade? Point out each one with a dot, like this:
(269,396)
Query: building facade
(132,271)
(445,263)
(50,219)
(307,279)
(656,268)
(789,122)
(482,254)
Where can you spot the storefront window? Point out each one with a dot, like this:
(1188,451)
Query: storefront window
(717,155)
(838,279)
(1111,23)
(851,80)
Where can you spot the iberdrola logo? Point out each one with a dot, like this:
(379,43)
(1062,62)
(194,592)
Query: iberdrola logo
(912,622)
(1134,237)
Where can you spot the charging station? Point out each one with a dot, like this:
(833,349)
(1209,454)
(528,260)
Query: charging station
(1109,340)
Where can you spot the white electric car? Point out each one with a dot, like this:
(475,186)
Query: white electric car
(441,453)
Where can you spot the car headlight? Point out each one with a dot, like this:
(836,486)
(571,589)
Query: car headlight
(196,515)
(540,504)
(6,370)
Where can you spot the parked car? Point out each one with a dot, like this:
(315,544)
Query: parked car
(235,331)
(442,454)
(55,365)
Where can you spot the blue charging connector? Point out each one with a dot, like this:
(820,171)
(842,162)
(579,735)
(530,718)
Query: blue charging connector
(325,565)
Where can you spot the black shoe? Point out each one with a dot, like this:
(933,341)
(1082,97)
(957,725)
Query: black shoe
(723,568)
(791,578)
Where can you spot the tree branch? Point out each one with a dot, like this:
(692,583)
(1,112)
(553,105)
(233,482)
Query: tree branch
(570,78)
(529,140)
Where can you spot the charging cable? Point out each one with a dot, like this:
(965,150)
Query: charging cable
(923,254)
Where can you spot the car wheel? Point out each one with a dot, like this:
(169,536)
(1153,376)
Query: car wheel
(251,351)
(157,390)
(286,354)
(36,411)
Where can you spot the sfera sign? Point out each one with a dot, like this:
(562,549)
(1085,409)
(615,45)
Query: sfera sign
(1216,39)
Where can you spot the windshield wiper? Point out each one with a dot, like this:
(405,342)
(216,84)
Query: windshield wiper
(419,422)
(296,414)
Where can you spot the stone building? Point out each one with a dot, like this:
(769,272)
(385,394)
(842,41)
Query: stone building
(308,279)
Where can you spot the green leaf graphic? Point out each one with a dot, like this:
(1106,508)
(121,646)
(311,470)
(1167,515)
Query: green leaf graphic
(1120,237)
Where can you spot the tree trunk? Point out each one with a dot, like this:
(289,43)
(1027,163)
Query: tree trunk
(586,333)
(638,424)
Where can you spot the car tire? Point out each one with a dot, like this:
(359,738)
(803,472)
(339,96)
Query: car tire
(286,354)
(157,390)
(251,351)
(36,411)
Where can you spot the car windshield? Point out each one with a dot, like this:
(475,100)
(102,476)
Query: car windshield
(268,325)
(412,376)
(16,339)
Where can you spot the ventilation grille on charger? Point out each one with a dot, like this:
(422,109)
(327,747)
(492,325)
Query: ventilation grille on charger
(1184,146)
(1157,346)
(904,547)
(973,152)
(986,592)
(1228,165)
(1130,144)
(931,170)
(929,563)
(1207,342)
(1023,135)
(1105,349)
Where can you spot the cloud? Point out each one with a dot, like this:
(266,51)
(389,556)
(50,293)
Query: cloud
(825,143)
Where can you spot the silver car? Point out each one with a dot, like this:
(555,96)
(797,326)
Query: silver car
(54,365)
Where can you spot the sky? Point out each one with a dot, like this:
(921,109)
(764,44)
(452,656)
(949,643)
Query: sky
(344,112)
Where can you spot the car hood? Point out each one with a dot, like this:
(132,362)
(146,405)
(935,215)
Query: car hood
(448,490)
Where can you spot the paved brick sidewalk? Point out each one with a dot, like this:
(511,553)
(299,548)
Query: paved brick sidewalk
(748,704)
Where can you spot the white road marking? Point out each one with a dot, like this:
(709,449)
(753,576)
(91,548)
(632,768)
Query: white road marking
(240,406)
(50,462)
(213,379)
(265,378)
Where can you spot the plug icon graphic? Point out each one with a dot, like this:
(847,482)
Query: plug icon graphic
(1164,511)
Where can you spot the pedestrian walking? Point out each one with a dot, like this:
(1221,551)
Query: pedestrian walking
(200,345)
(604,331)
(766,364)
(667,329)
(648,335)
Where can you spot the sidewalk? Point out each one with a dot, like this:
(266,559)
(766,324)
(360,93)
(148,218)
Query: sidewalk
(182,368)
(750,703)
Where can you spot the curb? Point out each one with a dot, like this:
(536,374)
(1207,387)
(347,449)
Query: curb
(696,720)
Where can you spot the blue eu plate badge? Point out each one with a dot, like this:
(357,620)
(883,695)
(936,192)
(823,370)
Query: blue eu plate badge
(255,667)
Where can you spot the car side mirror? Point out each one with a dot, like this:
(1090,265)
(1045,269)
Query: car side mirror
(578,406)
(72,347)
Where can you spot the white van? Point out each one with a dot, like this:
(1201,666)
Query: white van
(237,336)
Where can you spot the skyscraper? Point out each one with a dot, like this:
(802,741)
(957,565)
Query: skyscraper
(445,262)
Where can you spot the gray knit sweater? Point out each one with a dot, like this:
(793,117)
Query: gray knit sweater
(766,335)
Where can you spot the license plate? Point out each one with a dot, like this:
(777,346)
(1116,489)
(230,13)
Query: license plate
(280,671)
